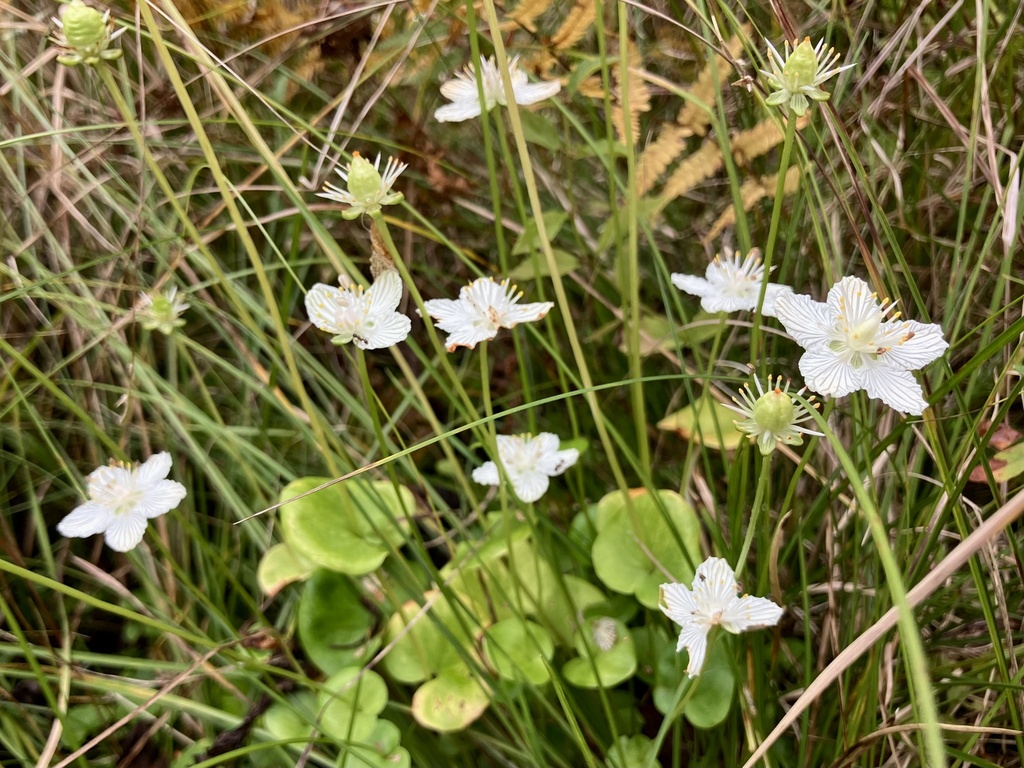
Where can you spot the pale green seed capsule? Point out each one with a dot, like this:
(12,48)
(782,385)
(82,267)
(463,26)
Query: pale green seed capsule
(774,411)
(364,182)
(802,66)
(85,28)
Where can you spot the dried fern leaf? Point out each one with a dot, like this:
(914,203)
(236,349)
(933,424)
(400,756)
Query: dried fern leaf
(658,155)
(575,25)
(639,96)
(592,87)
(693,117)
(701,165)
(527,12)
(746,145)
(753,191)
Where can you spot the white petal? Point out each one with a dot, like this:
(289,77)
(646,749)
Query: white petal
(696,286)
(486,474)
(750,613)
(925,345)
(451,315)
(321,305)
(385,332)
(460,88)
(850,290)
(160,499)
(125,532)
(153,470)
(714,585)
(806,320)
(897,389)
(469,337)
(771,295)
(677,602)
(525,313)
(457,111)
(87,519)
(695,640)
(826,374)
(530,485)
(531,93)
(385,293)
(558,462)
(726,303)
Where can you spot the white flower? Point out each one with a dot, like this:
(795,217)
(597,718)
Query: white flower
(851,345)
(121,499)
(773,417)
(367,190)
(462,91)
(797,77)
(732,284)
(366,317)
(714,601)
(528,462)
(482,308)
(162,311)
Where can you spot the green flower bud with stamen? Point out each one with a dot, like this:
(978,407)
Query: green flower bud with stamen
(367,189)
(85,34)
(798,76)
(162,311)
(773,417)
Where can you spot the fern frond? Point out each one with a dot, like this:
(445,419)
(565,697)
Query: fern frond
(658,155)
(575,25)
(753,191)
(701,165)
(527,12)
(693,117)
(639,95)
(758,140)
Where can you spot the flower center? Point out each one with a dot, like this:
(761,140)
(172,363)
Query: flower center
(774,411)
(862,336)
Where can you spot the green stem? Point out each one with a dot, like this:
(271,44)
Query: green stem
(683,694)
(755,513)
(773,233)
(910,636)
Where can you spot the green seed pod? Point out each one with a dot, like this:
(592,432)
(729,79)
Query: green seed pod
(85,28)
(801,66)
(364,182)
(774,411)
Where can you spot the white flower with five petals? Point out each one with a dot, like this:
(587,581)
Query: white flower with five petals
(364,316)
(464,96)
(122,499)
(732,284)
(855,342)
(483,307)
(529,462)
(713,601)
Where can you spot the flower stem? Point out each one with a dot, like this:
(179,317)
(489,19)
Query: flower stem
(683,693)
(755,513)
(773,233)
(910,635)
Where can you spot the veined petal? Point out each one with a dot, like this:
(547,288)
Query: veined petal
(153,470)
(460,88)
(529,485)
(87,519)
(486,474)
(692,284)
(556,463)
(531,93)
(469,336)
(923,344)
(526,313)
(771,295)
(695,640)
(386,331)
(725,303)
(450,315)
(161,498)
(125,532)
(750,613)
(826,374)
(714,585)
(897,389)
(457,111)
(321,304)
(385,293)
(677,602)
(806,320)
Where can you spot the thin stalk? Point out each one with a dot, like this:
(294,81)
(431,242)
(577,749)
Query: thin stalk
(755,513)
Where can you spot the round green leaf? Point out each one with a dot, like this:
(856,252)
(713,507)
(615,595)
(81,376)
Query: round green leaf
(292,719)
(519,650)
(350,702)
(711,699)
(606,655)
(631,752)
(279,567)
(636,545)
(334,626)
(420,648)
(348,527)
(381,750)
(449,702)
